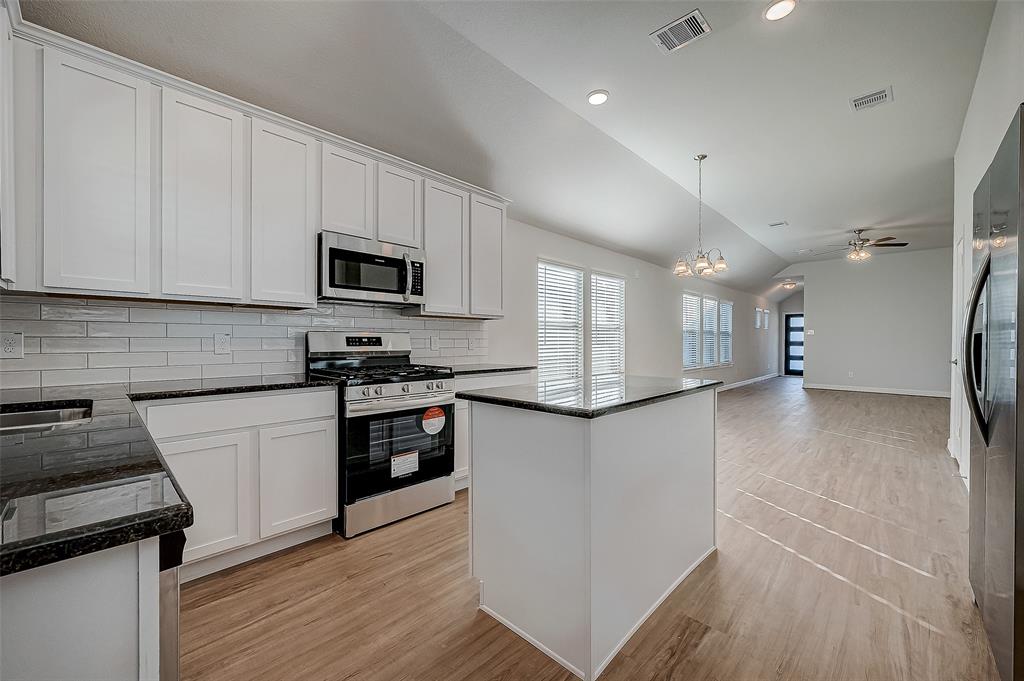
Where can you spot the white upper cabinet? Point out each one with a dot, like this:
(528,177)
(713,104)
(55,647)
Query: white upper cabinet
(285,179)
(446,249)
(349,192)
(487,230)
(202,197)
(399,206)
(8,274)
(298,475)
(96,176)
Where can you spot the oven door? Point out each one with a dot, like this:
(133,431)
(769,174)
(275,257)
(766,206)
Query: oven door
(351,274)
(387,450)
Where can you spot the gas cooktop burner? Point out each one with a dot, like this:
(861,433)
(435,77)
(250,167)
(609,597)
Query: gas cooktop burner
(396,373)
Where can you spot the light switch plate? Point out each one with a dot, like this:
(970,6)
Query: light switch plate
(221,343)
(12,345)
(435,342)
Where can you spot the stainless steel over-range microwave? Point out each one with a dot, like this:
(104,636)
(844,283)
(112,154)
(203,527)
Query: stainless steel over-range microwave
(356,269)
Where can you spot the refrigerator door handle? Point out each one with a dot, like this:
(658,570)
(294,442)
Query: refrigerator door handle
(967,360)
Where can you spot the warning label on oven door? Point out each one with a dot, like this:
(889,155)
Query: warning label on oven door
(403,464)
(433,420)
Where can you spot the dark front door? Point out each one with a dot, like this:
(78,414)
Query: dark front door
(794,345)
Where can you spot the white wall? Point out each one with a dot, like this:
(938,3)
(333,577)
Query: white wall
(886,320)
(998,91)
(653,309)
(794,304)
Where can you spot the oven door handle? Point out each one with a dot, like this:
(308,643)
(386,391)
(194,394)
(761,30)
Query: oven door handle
(408,277)
(391,404)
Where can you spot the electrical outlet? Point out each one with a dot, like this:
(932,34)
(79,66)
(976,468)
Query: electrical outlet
(849,374)
(474,343)
(12,345)
(435,342)
(221,343)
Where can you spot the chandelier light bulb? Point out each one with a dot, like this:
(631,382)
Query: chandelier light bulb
(721,265)
(702,263)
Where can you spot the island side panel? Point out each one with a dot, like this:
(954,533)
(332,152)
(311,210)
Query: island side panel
(652,511)
(529,527)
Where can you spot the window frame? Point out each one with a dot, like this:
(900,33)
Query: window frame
(719,301)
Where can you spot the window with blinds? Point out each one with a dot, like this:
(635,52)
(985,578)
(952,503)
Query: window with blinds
(691,331)
(607,325)
(725,332)
(559,322)
(709,328)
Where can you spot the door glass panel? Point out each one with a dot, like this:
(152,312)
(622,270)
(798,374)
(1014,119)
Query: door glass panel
(796,336)
(796,364)
(796,352)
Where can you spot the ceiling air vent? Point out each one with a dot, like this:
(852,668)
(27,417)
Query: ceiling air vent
(680,32)
(883,96)
(776,225)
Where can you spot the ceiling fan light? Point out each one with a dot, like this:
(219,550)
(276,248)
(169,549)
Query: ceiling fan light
(865,254)
(853,256)
(720,264)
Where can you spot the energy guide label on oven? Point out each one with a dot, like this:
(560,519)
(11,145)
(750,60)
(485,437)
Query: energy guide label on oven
(403,464)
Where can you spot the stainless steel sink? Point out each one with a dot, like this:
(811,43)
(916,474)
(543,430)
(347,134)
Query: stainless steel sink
(36,417)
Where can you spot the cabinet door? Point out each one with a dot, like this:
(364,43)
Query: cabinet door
(8,275)
(202,197)
(215,474)
(399,206)
(96,176)
(298,475)
(463,443)
(284,183)
(348,190)
(446,248)
(487,229)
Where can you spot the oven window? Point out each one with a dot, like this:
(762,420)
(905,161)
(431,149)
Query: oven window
(354,270)
(385,452)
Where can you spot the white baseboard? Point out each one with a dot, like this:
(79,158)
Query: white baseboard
(885,391)
(461,479)
(534,642)
(740,384)
(668,592)
(222,561)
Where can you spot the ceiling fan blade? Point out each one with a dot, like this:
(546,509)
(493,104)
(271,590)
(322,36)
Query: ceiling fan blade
(898,244)
(844,248)
(878,241)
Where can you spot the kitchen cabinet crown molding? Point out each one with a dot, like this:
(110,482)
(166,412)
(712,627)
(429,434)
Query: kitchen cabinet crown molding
(47,37)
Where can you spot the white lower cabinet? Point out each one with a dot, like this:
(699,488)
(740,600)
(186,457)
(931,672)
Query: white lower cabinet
(215,474)
(298,475)
(260,470)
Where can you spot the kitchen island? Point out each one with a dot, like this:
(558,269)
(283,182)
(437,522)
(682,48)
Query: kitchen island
(591,501)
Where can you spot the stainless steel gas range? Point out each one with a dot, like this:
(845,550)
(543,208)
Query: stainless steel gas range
(396,435)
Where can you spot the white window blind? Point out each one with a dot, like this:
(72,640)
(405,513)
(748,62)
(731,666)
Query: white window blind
(725,333)
(691,331)
(709,342)
(559,322)
(607,325)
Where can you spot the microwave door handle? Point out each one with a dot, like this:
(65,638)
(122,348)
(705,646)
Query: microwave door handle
(967,359)
(408,277)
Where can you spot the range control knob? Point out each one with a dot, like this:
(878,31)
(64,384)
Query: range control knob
(430,385)
(405,388)
(378,390)
(439,385)
(366,392)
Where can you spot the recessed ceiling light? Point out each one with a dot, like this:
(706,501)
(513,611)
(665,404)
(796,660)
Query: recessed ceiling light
(598,97)
(779,9)
(789,285)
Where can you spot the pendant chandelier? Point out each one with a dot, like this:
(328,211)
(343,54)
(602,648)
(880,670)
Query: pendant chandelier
(702,262)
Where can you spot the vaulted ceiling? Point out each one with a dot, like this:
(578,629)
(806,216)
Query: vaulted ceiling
(494,93)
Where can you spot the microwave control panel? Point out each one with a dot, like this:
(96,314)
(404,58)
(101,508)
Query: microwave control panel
(417,278)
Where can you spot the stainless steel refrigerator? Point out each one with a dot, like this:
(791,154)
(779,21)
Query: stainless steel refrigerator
(991,363)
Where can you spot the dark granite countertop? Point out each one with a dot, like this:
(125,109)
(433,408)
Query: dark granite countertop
(82,488)
(589,398)
(470,369)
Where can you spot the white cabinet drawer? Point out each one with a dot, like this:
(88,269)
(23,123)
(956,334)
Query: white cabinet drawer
(199,416)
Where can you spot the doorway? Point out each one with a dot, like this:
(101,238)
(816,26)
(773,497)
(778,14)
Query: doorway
(794,345)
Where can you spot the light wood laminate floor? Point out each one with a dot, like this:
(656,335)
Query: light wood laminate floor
(842,541)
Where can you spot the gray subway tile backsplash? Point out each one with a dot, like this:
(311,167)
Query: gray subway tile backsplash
(75,341)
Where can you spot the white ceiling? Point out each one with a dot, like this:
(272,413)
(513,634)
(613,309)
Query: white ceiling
(494,93)
(768,102)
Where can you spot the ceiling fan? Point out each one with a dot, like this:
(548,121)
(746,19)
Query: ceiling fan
(858,245)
